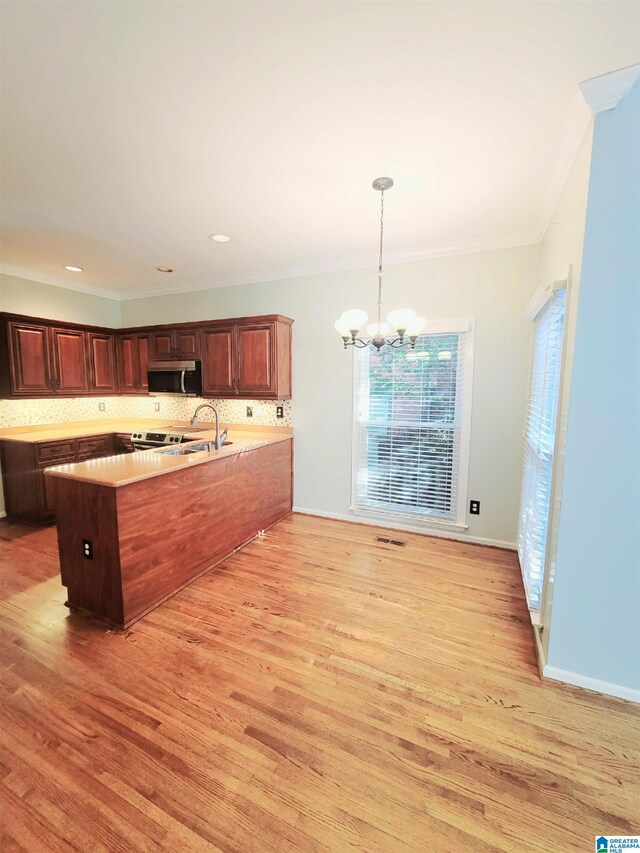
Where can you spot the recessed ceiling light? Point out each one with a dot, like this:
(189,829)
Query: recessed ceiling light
(164,269)
(74,269)
(219,238)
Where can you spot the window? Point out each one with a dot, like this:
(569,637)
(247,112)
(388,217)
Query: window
(539,444)
(412,424)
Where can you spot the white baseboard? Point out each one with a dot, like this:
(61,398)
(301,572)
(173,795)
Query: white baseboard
(591,683)
(475,540)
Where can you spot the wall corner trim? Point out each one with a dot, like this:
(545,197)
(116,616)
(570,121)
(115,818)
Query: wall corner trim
(588,683)
(606,91)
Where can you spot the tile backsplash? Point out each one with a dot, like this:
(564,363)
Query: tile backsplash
(15,413)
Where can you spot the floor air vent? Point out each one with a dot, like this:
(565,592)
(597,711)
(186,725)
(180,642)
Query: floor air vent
(386,541)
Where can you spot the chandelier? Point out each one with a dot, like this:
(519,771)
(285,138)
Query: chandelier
(403,325)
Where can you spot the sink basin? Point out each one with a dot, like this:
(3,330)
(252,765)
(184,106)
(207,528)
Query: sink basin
(192,448)
(182,451)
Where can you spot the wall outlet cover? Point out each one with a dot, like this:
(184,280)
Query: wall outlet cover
(474,507)
(101,407)
(156,406)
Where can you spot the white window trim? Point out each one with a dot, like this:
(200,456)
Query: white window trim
(533,309)
(433,327)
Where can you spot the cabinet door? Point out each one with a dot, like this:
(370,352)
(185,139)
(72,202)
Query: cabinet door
(218,367)
(29,359)
(103,363)
(162,346)
(186,343)
(70,361)
(128,364)
(143,363)
(45,487)
(256,359)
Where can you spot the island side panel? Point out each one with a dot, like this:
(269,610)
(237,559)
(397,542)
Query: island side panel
(88,512)
(174,527)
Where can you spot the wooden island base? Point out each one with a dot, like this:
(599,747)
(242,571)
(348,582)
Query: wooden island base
(150,538)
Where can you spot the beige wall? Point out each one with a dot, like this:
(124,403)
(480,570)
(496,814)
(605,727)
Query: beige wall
(493,287)
(22,296)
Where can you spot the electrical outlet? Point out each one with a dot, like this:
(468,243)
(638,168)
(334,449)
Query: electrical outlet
(474,507)
(101,407)
(156,406)
(249,412)
(87,549)
(279,411)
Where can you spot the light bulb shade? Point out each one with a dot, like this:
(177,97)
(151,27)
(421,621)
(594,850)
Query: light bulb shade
(354,318)
(401,317)
(377,329)
(415,326)
(342,328)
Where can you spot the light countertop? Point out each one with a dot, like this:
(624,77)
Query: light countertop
(60,432)
(129,468)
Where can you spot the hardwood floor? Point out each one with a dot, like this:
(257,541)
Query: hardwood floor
(317,691)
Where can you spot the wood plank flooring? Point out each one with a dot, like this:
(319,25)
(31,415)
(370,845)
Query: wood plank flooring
(315,692)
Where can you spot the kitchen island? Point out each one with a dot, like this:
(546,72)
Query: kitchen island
(134,529)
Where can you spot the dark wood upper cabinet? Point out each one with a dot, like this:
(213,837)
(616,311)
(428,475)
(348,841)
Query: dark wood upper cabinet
(133,360)
(102,358)
(256,359)
(127,364)
(248,358)
(243,357)
(143,362)
(218,357)
(174,344)
(186,343)
(29,359)
(69,350)
(162,346)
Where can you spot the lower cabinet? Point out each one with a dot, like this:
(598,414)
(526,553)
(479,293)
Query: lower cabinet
(26,495)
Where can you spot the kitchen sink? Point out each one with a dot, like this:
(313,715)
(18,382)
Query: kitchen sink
(193,448)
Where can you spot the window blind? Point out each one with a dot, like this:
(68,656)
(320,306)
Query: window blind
(539,444)
(410,431)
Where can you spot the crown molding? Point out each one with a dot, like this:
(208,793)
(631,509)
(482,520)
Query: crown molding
(59,281)
(470,247)
(606,91)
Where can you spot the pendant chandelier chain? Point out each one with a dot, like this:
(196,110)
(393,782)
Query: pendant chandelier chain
(381,229)
(404,321)
(380,257)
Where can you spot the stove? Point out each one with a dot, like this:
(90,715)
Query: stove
(145,440)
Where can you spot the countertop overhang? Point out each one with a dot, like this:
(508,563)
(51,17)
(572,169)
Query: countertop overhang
(124,469)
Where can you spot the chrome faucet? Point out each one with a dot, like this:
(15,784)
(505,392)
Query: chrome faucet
(219,439)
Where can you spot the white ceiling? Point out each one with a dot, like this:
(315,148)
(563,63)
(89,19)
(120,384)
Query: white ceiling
(133,130)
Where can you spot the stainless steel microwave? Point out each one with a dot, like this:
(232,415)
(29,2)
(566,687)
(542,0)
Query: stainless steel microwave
(174,378)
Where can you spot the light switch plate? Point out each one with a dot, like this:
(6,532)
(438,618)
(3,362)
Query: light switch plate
(156,406)
(101,407)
